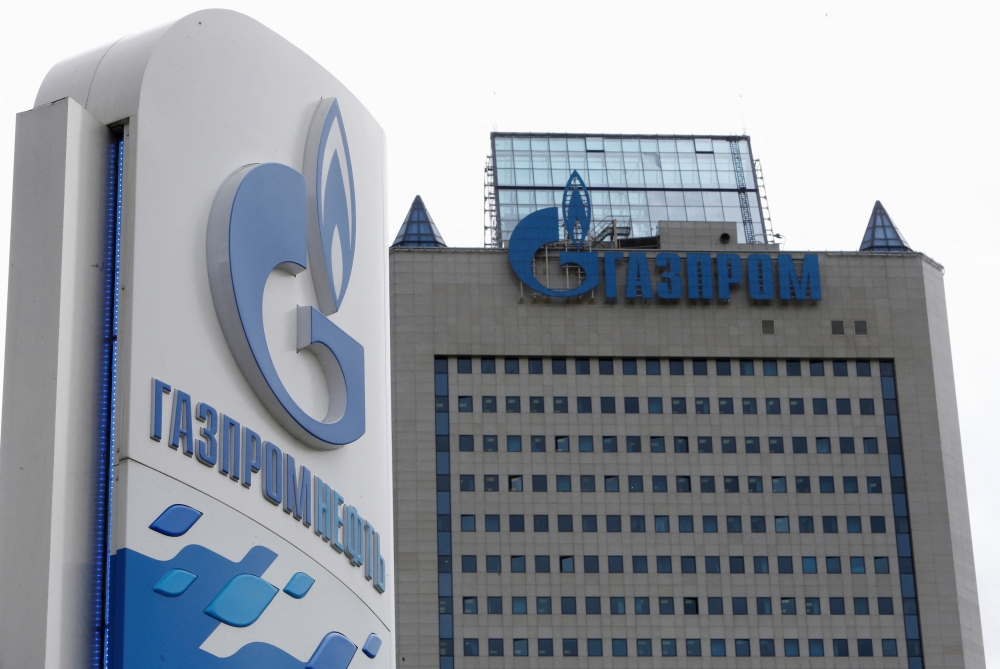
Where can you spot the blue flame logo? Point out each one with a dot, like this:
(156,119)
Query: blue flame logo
(576,210)
(269,217)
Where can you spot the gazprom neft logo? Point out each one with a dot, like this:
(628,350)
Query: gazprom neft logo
(696,276)
(270,217)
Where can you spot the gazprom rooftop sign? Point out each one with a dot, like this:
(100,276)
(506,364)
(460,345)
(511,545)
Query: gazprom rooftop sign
(662,275)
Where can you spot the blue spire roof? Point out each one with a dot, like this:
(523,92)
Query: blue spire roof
(882,234)
(418,228)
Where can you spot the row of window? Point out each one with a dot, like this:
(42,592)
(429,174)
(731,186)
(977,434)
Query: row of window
(712,564)
(713,606)
(675,366)
(668,647)
(636,483)
(661,524)
(678,405)
(538,443)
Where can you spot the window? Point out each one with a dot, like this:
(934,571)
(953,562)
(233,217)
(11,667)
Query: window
(488,366)
(816,645)
(560,404)
(819,406)
(829,525)
(543,606)
(791,647)
(840,368)
(644,647)
(465,404)
(806,525)
(749,405)
(655,404)
(494,605)
(470,605)
(734,524)
(708,484)
(466,442)
(642,606)
(788,606)
(492,564)
(802,484)
(633,444)
(812,606)
(539,483)
(763,606)
(878,524)
(558,365)
(520,647)
(470,647)
(666,606)
(465,365)
(699,367)
(816,368)
(772,405)
(793,367)
(511,366)
(739,606)
(562,444)
(661,523)
(861,606)
(808,565)
(683,484)
(767,647)
(591,565)
(652,367)
(545,648)
(779,484)
(566,565)
(843,406)
(585,443)
(689,565)
(881,565)
(631,404)
(757,525)
(796,406)
(691,606)
(541,523)
(746,367)
(713,565)
(854,524)
(723,368)
(736,564)
(826,484)
(568,606)
(513,443)
(870,445)
(489,404)
(776,444)
(537,443)
(570,648)
(731,483)
(564,483)
(489,443)
(752,445)
(701,405)
(885,606)
(534,365)
(705,445)
(610,484)
(616,564)
(676,367)
(833,565)
(823,445)
(755,483)
(781,525)
(725,405)
(710,524)
(770,368)
(517,566)
(542,561)
(760,565)
(582,366)
(468,564)
(656,445)
(583,405)
(614,523)
(607,405)
(678,405)
(742,647)
(466,483)
(640,565)
(866,406)
(595,647)
(864,647)
(629,367)
(659,484)
(799,445)
(685,524)
(617,606)
(513,404)
(536,404)
(468,523)
(680,444)
(717,647)
(605,366)
(515,483)
(564,523)
(635,484)
(587,483)
(864,367)
(728,444)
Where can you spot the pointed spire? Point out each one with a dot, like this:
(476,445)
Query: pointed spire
(882,234)
(418,228)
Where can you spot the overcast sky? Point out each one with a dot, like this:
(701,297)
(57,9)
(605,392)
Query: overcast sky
(844,103)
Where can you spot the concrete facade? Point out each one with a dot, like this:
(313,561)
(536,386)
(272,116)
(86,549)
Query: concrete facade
(452,305)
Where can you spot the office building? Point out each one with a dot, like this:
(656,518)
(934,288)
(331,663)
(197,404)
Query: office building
(681,451)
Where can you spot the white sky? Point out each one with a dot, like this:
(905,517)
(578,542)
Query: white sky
(845,104)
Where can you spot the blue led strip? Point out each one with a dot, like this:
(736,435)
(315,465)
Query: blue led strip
(442,447)
(104,471)
(901,516)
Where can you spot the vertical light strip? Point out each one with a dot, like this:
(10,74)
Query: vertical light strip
(105,451)
(442,448)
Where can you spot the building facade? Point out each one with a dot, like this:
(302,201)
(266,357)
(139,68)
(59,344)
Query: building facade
(721,451)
